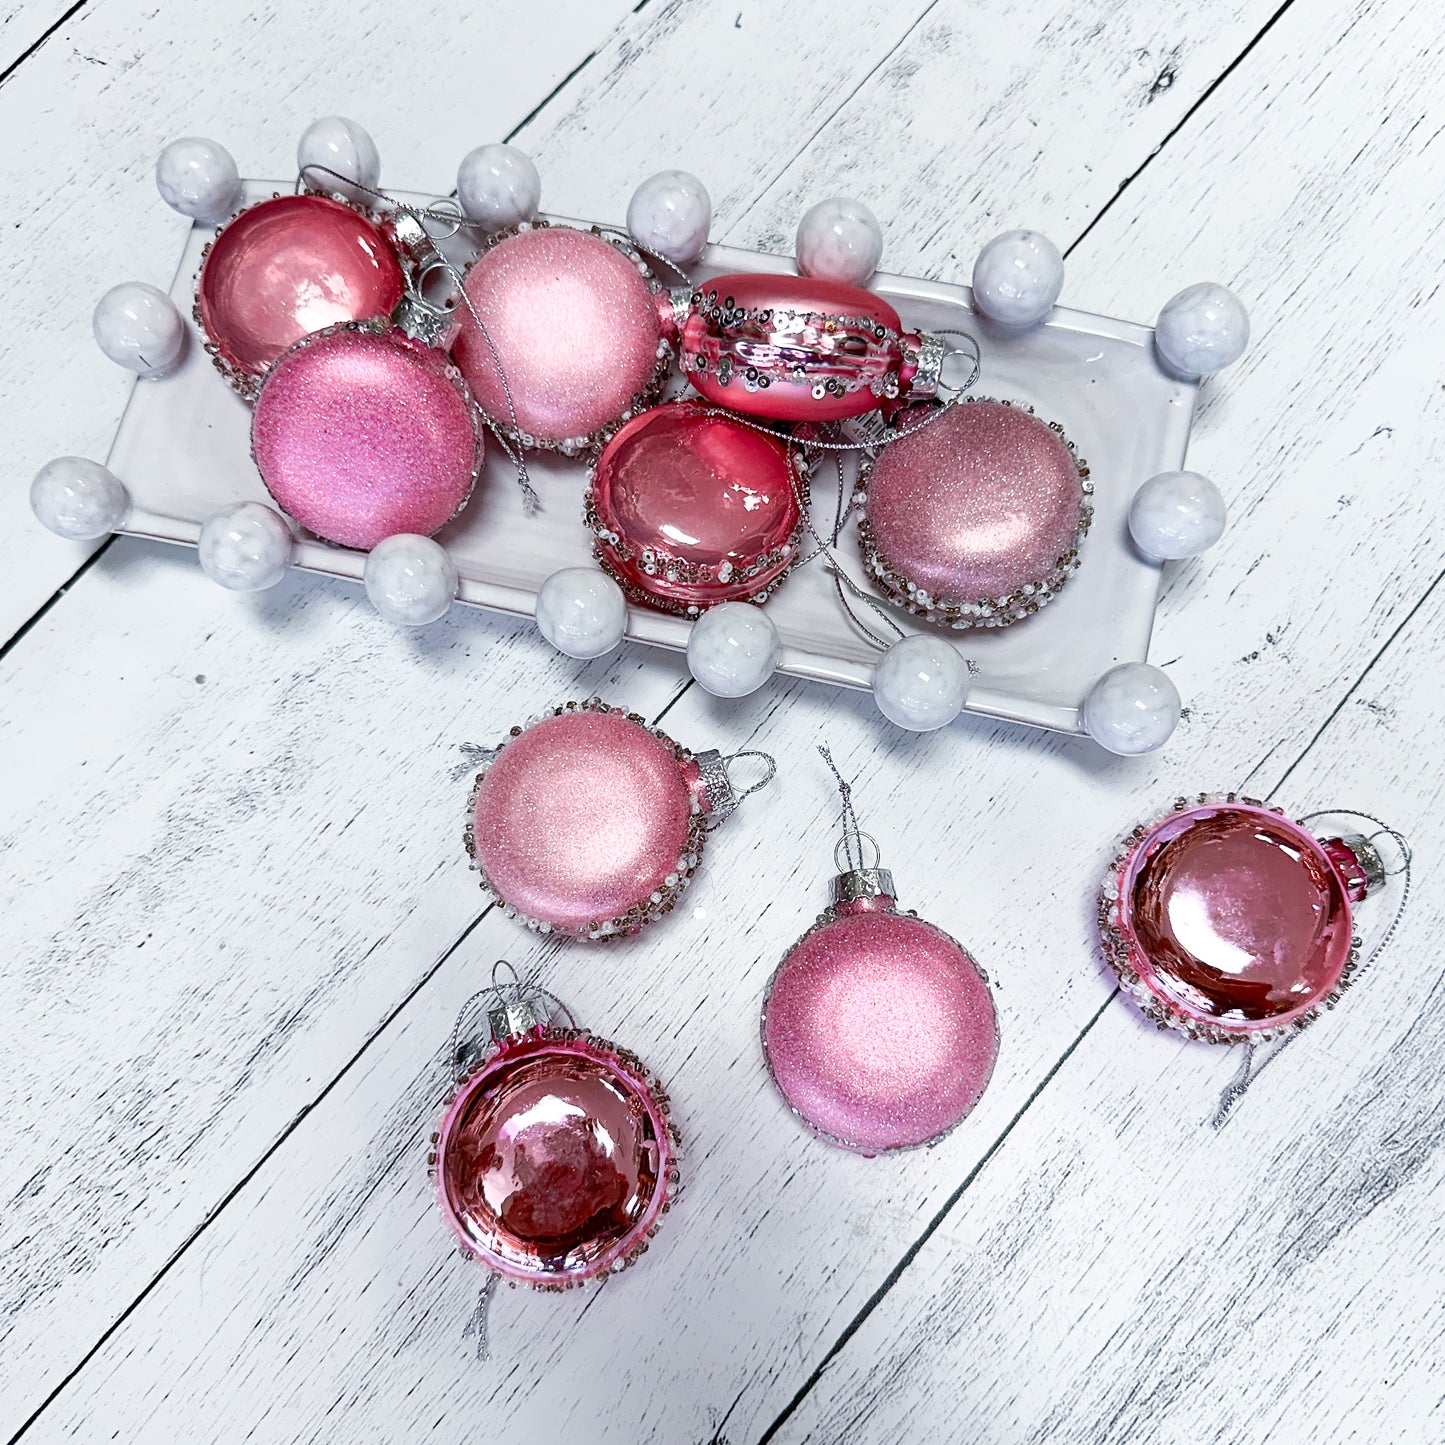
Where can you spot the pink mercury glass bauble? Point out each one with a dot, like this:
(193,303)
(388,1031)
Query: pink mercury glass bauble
(1225,919)
(690,508)
(360,433)
(555,1160)
(974,516)
(287,267)
(577,335)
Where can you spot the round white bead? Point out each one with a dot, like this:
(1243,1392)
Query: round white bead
(78,498)
(1017,278)
(498,186)
(199,179)
(1176,514)
(410,579)
(839,240)
(1202,329)
(581,611)
(733,649)
(921,683)
(140,328)
(245,547)
(670,213)
(339,148)
(1132,709)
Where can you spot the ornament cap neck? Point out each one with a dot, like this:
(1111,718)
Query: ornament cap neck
(423,322)
(859,883)
(1358,863)
(717,793)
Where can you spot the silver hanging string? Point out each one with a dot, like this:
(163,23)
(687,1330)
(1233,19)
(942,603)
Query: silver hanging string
(852,839)
(770,771)
(507,991)
(477,1324)
(474,756)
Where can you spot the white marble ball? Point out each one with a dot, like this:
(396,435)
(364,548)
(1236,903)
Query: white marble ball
(410,579)
(246,547)
(670,213)
(140,328)
(77,498)
(921,683)
(1202,330)
(1177,514)
(498,186)
(733,649)
(839,240)
(581,611)
(1132,709)
(199,179)
(345,156)
(1017,278)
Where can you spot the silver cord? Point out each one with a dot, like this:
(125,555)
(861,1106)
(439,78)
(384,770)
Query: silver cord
(477,1324)
(508,993)
(769,773)
(851,841)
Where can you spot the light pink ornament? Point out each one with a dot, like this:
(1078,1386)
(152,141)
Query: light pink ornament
(690,508)
(589,824)
(575,336)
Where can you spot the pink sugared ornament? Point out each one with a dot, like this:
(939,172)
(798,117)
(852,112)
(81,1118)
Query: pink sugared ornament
(796,348)
(361,432)
(975,514)
(555,1158)
(575,336)
(283,269)
(878,1028)
(1226,920)
(589,824)
(689,508)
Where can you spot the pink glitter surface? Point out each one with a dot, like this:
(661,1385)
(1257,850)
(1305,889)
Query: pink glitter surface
(575,328)
(581,817)
(976,504)
(879,1030)
(360,434)
(287,267)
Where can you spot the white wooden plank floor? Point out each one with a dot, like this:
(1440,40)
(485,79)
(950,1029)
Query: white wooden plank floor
(236,924)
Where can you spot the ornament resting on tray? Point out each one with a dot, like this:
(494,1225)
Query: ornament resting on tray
(555,1158)
(689,508)
(974,516)
(878,1028)
(589,824)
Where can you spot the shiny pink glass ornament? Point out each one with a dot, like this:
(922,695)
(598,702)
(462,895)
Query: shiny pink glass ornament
(795,348)
(360,432)
(690,508)
(284,268)
(974,515)
(576,331)
(1224,919)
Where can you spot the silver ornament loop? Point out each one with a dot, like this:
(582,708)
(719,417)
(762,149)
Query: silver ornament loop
(845,862)
(514,1007)
(722,795)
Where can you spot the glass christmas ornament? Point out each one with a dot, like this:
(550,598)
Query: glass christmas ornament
(796,348)
(878,1028)
(589,824)
(573,342)
(689,508)
(285,268)
(1226,920)
(555,1158)
(974,515)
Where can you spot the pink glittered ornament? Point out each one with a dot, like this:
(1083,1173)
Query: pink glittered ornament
(589,824)
(1226,920)
(690,508)
(974,515)
(878,1028)
(360,433)
(283,269)
(573,340)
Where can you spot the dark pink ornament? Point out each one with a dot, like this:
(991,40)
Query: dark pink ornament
(690,508)
(283,269)
(361,432)
(1226,920)
(575,336)
(589,824)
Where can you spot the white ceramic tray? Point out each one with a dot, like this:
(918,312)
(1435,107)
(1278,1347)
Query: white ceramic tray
(183,450)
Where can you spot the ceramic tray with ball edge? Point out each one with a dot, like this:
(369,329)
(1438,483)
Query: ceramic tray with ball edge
(183,451)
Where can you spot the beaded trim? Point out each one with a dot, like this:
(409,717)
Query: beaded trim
(1120,953)
(955,612)
(647,910)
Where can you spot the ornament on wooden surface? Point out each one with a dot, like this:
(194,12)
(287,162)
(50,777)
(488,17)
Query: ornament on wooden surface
(1134,708)
(79,499)
(878,1028)
(839,240)
(246,547)
(1176,514)
(689,508)
(140,328)
(410,579)
(498,186)
(345,152)
(589,824)
(921,683)
(733,649)
(1201,330)
(1017,278)
(669,214)
(198,178)
(581,612)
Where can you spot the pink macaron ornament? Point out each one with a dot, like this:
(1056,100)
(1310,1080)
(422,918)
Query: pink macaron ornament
(589,824)
(878,1028)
